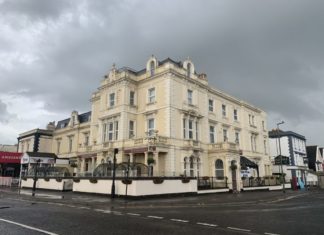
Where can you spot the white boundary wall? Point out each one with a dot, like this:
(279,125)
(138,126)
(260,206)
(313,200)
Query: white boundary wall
(52,184)
(137,187)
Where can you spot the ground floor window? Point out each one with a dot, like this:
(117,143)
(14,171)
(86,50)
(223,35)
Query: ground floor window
(219,169)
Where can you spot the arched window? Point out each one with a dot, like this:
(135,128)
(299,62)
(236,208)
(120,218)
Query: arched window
(219,172)
(191,163)
(188,70)
(152,67)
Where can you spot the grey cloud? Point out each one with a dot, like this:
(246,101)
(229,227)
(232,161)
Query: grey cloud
(262,52)
(35,9)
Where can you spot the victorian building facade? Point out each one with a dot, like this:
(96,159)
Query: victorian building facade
(167,115)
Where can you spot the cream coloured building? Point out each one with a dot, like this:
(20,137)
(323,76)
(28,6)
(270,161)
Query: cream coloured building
(165,113)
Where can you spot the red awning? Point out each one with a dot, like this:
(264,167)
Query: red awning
(9,157)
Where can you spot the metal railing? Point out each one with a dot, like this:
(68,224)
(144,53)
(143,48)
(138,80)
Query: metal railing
(206,182)
(260,181)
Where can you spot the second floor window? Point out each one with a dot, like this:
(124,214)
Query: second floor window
(253,142)
(58,146)
(110,131)
(132,98)
(70,144)
(235,115)
(189,96)
(86,139)
(151,95)
(111,99)
(211,105)
(224,110)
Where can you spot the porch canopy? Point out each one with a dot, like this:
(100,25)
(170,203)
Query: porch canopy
(245,162)
(33,157)
(10,157)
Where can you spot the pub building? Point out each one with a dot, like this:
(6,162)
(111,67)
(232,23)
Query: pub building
(10,164)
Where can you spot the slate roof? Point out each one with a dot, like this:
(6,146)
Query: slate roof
(274,134)
(142,71)
(84,117)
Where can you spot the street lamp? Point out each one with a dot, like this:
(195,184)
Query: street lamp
(114,175)
(281,167)
(35,177)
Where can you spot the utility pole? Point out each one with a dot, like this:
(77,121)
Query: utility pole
(281,167)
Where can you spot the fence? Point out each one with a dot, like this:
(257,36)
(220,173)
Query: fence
(260,181)
(205,183)
(9,181)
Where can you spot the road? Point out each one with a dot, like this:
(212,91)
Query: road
(246,213)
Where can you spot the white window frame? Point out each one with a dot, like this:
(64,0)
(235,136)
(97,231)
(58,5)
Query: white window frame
(112,99)
(190,129)
(190,96)
(212,134)
(211,105)
(235,114)
(150,126)
(132,98)
(223,110)
(131,129)
(151,95)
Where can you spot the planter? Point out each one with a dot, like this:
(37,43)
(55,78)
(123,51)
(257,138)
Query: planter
(233,167)
(205,177)
(158,181)
(185,181)
(127,181)
(76,180)
(58,180)
(93,181)
(46,179)
(150,161)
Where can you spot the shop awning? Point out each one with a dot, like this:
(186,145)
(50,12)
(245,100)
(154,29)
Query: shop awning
(10,157)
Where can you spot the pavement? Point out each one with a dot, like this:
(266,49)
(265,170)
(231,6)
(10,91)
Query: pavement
(97,200)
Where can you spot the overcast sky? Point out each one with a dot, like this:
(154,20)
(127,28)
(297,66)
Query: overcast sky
(53,54)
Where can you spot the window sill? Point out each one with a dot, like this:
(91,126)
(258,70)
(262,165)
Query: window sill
(151,103)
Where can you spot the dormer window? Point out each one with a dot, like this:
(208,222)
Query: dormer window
(152,68)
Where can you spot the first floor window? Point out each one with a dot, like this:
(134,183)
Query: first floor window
(237,137)
(132,98)
(184,128)
(225,135)
(190,129)
(150,127)
(235,115)
(116,130)
(70,143)
(131,129)
(110,130)
(212,134)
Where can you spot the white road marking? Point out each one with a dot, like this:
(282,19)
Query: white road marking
(83,207)
(271,234)
(29,227)
(239,229)
(134,214)
(106,211)
(154,217)
(179,220)
(99,210)
(206,224)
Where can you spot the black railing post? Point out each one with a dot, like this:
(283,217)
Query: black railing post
(114,175)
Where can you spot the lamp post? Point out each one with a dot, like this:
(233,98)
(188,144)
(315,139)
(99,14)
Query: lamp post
(281,167)
(35,177)
(114,175)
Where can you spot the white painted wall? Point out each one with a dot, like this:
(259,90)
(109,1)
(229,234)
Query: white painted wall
(136,188)
(274,146)
(52,184)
